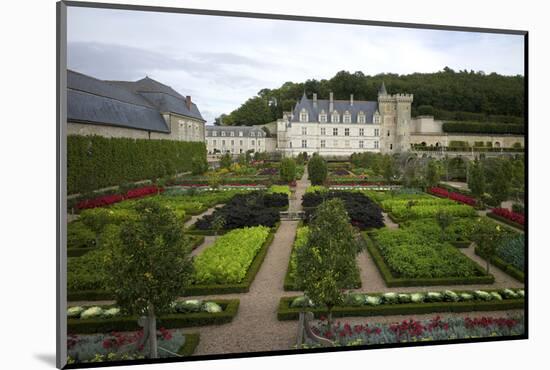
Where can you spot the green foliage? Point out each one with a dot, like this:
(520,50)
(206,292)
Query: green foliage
(255,111)
(429,211)
(326,264)
(80,235)
(95,162)
(288,170)
(500,186)
(150,263)
(226,161)
(444,220)
(474,96)
(411,254)
(317,169)
(512,251)
(487,237)
(433,174)
(281,189)
(483,128)
(228,260)
(406,200)
(388,167)
(199,165)
(476,179)
(316,189)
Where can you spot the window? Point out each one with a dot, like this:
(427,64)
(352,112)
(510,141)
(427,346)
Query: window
(391,146)
(290,144)
(223,142)
(335,117)
(214,142)
(232,142)
(303,116)
(376,144)
(323,143)
(240,142)
(361,132)
(232,133)
(304,143)
(376,132)
(304,131)
(252,142)
(240,133)
(388,132)
(361,118)
(323,131)
(346,132)
(335,131)
(214,133)
(346,143)
(252,134)
(361,144)
(347,118)
(323,118)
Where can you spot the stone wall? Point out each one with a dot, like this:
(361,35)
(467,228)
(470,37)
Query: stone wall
(502,141)
(74,128)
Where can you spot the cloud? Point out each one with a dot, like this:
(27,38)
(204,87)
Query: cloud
(222,61)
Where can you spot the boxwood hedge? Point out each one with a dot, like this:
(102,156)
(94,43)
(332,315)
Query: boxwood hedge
(95,162)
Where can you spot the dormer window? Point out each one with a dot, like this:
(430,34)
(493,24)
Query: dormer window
(361,117)
(303,116)
(214,133)
(323,117)
(240,133)
(347,117)
(232,133)
(335,118)
(376,118)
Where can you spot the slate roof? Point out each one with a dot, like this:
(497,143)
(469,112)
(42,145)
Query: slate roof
(121,104)
(367,107)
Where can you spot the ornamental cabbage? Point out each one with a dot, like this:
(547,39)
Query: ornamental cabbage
(434,297)
(74,312)
(390,298)
(301,302)
(450,296)
(496,296)
(91,313)
(212,307)
(404,298)
(482,295)
(509,294)
(111,312)
(466,297)
(191,305)
(354,299)
(373,300)
(417,297)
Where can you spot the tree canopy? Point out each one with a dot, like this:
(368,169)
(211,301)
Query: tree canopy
(447,94)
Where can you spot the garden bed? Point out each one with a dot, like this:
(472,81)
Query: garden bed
(168,321)
(286,312)
(392,281)
(505,220)
(504,266)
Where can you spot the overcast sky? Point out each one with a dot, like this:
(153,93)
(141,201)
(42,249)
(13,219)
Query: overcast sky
(222,61)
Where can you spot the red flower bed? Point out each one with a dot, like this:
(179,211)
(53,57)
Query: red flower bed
(141,192)
(440,192)
(509,215)
(102,201)
(107,200)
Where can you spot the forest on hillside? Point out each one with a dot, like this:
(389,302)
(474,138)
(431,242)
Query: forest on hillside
(447,94)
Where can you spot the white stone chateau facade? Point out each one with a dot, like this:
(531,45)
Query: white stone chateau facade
(342,127)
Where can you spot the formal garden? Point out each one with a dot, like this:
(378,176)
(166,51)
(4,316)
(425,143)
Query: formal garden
(196,259)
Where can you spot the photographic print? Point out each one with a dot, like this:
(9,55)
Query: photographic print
(241,185)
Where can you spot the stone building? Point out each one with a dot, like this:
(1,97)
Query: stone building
(341,127)
(237,140)
(143,109)
(338,128)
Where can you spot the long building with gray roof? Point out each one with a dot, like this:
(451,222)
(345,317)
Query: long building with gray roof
(144,109)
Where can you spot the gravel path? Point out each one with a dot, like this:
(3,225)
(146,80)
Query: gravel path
(208,241)
(194,218)
(388,222)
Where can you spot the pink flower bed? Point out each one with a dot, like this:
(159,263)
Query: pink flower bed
(509,215)
(106,200)
(440,192)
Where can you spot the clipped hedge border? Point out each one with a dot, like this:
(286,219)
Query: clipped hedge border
(505,220)
(168,321)
(199,239)
(285,312)
(394,218)
(392,281)
(461,243)
(504,266)
(191,342)
(194,290)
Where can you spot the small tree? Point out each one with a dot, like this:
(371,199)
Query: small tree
(287,171)
(476,179)
(432,174)
(444,220)
(487,237)
(199,165)
(501,183)
(149,266)
(317,169)
(225,161)
(218,223)
(326,264)
(96,219)
(387,167)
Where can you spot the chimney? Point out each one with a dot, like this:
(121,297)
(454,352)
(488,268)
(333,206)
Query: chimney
(314,100)
(188,101)
(331,102)
(351,99)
